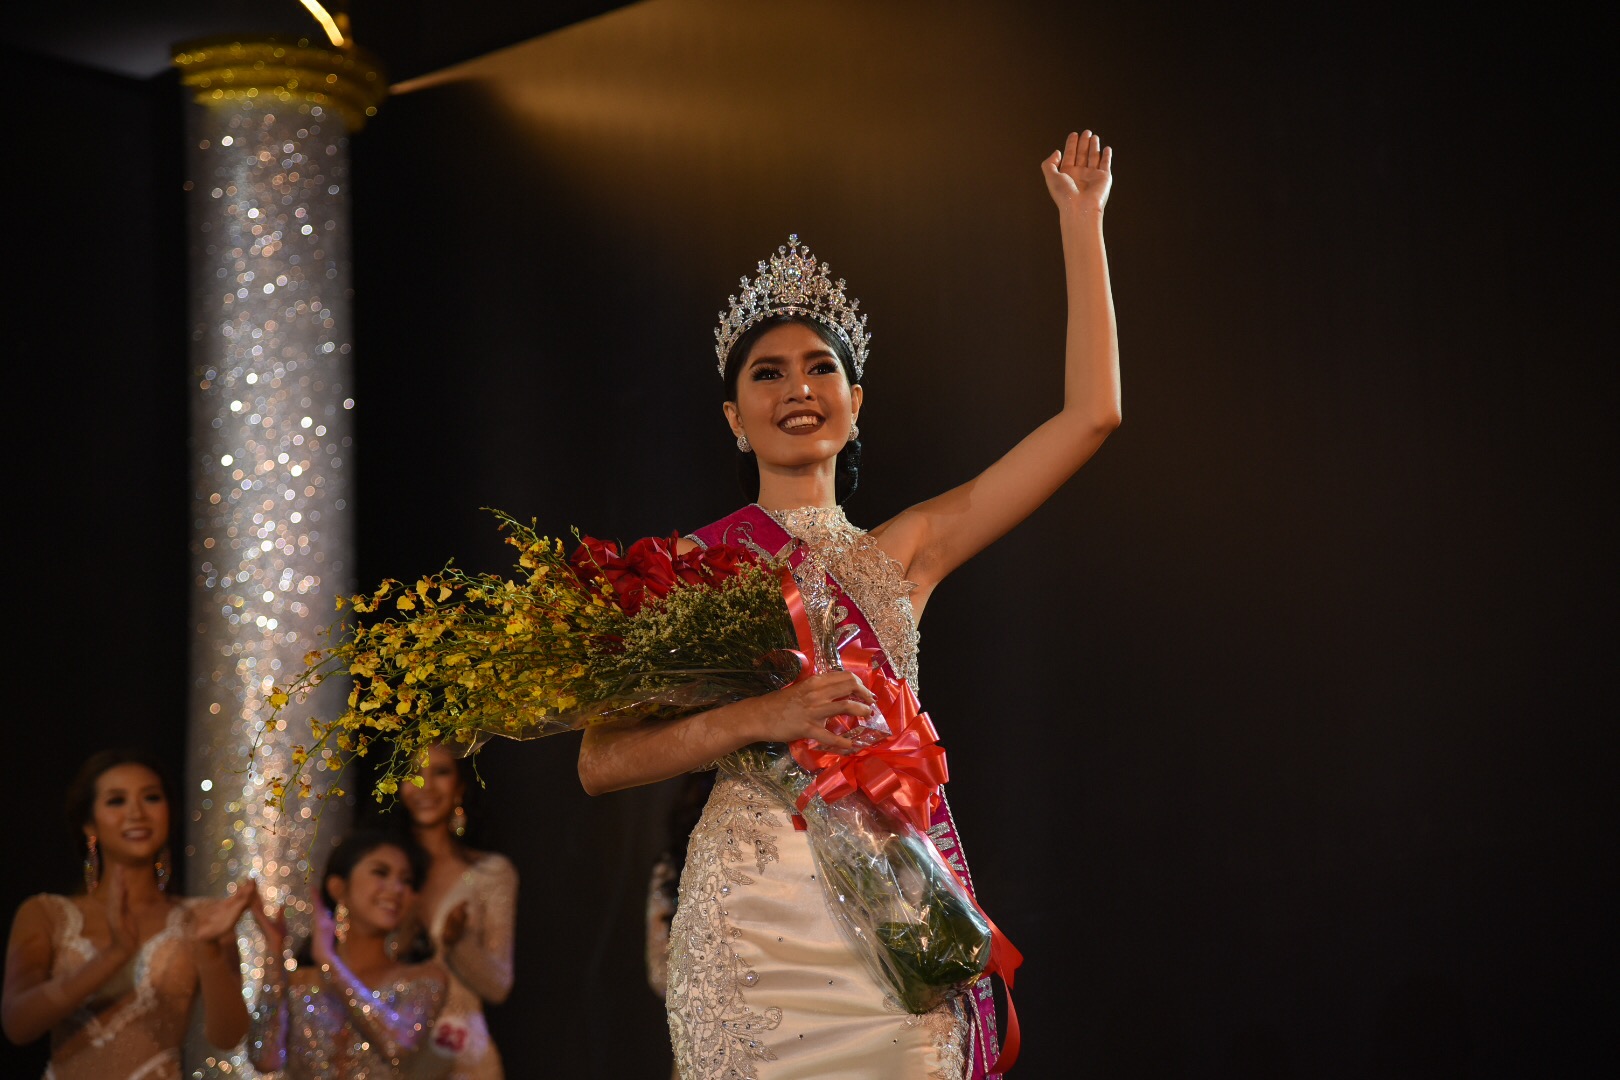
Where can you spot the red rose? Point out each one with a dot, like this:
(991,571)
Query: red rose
(688,567)
(651,567)
(722,562)
(591,559)
(648,567)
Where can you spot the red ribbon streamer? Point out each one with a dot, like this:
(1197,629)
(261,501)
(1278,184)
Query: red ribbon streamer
(901,775)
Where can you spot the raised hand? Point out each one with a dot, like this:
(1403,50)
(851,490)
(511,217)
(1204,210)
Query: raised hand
(1079,176)
(273,926)
(122,929)
(214,926)
(322,927)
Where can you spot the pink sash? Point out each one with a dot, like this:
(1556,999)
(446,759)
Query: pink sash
(752,528)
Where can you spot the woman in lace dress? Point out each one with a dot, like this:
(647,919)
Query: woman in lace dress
(351,1009)
(761,983)
(467,903)
(111,973)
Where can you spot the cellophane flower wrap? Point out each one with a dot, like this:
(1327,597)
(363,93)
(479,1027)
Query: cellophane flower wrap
(598,634)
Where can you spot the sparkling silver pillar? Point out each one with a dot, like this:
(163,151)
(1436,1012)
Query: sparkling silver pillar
(271,437)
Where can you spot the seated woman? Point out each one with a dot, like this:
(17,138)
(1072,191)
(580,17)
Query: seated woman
(111,973)
(355,1011)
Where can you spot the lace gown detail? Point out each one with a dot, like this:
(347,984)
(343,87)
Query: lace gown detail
(480,965)
(868,574)
(762,984)
(134,1026)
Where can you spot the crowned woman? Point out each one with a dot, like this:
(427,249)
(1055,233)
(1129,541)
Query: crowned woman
(761,983)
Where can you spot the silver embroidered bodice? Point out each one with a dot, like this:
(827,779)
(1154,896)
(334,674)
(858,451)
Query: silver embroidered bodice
(870,576)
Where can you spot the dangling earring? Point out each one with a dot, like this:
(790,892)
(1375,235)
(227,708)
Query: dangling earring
(161,869)
(340,924)
(458,821)
(92,865)
(854,431)
(742,444)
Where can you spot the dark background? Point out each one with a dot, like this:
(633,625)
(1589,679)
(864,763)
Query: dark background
(1280,737)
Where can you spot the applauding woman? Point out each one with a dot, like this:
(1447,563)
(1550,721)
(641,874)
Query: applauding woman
(351,1009)
(111,973)
(467,903)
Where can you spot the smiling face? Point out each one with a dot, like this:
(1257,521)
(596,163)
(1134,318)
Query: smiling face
(432,804)
(378,891)
(793,400)
(129,815)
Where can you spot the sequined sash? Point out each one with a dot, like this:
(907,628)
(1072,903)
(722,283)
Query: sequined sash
(753,529)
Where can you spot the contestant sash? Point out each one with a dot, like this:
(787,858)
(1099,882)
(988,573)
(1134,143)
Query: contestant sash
(753,529)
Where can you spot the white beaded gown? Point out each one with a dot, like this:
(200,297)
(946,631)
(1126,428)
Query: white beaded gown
(762,984)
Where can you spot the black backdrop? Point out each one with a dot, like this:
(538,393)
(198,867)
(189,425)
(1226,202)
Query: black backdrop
(1278,735)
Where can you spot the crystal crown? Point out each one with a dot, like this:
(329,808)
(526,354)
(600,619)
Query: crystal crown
(793,282)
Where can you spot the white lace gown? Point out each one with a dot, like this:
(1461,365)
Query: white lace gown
(134,1026)
(762,984)
(480,965)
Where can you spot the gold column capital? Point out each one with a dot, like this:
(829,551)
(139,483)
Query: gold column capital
(348,80)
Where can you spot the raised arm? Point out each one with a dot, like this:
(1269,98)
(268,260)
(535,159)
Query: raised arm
(267,1028)
(935,537)
(219,964)
(480,955)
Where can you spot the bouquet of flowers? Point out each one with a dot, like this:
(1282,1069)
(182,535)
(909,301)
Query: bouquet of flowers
(651,633)
(458,657)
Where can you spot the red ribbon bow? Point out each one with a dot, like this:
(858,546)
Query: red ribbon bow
(901,774)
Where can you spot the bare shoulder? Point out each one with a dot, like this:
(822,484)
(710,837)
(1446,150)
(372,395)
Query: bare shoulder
(38,913)
(685,544)
(493,864)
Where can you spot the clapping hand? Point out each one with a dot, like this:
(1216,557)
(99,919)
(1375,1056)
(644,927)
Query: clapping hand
(455,924)
(272,926)
(322,928)
(122,929)
(213,929)
(1080,175)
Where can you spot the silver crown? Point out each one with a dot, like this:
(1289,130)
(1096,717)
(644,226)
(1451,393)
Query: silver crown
(794,283)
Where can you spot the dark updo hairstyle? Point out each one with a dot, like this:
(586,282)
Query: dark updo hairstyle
(359,843)
(81,791)
(849,458)
(346,855)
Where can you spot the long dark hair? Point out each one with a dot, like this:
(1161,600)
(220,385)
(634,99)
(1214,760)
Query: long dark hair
(848,476)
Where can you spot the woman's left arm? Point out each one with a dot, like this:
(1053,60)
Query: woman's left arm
(219,966)
(935,537)
(481,956)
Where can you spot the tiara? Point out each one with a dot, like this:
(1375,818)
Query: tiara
(793,283)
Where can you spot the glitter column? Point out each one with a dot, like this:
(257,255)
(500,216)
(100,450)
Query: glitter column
(271,434)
